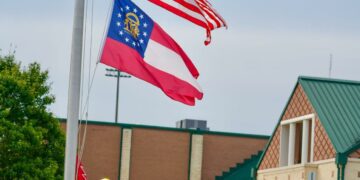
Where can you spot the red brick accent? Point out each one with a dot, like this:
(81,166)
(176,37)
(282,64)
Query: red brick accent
(159,155)
(271,158)
(323,148)
(101,153)
(299,105)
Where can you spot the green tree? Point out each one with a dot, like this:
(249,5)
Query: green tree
(31,141)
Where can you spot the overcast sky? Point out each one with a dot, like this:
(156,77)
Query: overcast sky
(247,73)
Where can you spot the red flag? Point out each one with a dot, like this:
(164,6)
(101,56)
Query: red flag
(199,12)
(81,175)
(137,45)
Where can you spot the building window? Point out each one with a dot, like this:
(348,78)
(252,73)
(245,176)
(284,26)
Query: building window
(296,140)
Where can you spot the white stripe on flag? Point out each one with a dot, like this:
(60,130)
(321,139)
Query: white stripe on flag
(168,61)
(216,15)
(192,2)
(205,12)
(185,10)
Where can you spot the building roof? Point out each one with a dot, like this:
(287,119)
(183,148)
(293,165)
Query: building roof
(337,103)
(195,131)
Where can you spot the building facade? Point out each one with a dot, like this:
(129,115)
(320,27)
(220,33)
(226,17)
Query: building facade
(318,134)
(139,152)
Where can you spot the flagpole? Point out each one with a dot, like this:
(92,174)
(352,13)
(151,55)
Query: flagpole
(74,91)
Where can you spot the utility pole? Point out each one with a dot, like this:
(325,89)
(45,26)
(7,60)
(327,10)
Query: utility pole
(74,91)
(118,75)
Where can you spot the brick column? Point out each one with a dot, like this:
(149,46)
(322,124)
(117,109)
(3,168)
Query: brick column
(125,154)
(305,142)
(196,157)
(292,133)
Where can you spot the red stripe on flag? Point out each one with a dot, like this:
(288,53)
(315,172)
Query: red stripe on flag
(216,15)
(210,14)
(179,13)
(125,60)
(175,88)
(160,36)
(203,8)
(189,6)
(129,61)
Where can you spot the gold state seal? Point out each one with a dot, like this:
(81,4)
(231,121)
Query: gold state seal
(132,24)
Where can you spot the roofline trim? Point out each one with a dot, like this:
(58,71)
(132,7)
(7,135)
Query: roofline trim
(352,149)
(125,125)
(277,125)
(329,80)
(321,115)
(320,111)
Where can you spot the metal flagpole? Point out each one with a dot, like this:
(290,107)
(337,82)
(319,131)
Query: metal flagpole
(74,91)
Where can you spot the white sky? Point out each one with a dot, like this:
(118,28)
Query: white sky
(247,73)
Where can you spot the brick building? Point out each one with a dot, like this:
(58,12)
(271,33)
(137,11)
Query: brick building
(140,152)
(317,138)
(318,134)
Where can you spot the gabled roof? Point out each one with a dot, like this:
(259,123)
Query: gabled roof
(337,103)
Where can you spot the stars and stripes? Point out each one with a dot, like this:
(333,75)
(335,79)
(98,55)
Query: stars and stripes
(199,12)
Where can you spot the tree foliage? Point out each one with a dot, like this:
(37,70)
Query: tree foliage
(31,141)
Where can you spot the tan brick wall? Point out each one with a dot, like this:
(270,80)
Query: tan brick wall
(324,170)
(197,143)
(299,105)
(327,171)
(125,154)
(352,171)
(223,152)
(297,172)
(101,152)
(159,154)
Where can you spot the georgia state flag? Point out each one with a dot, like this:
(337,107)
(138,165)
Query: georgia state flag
(135,44)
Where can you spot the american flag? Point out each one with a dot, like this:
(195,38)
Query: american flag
(199,12)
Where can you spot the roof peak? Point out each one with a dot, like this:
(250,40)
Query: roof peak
(331,80)
(337,105)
